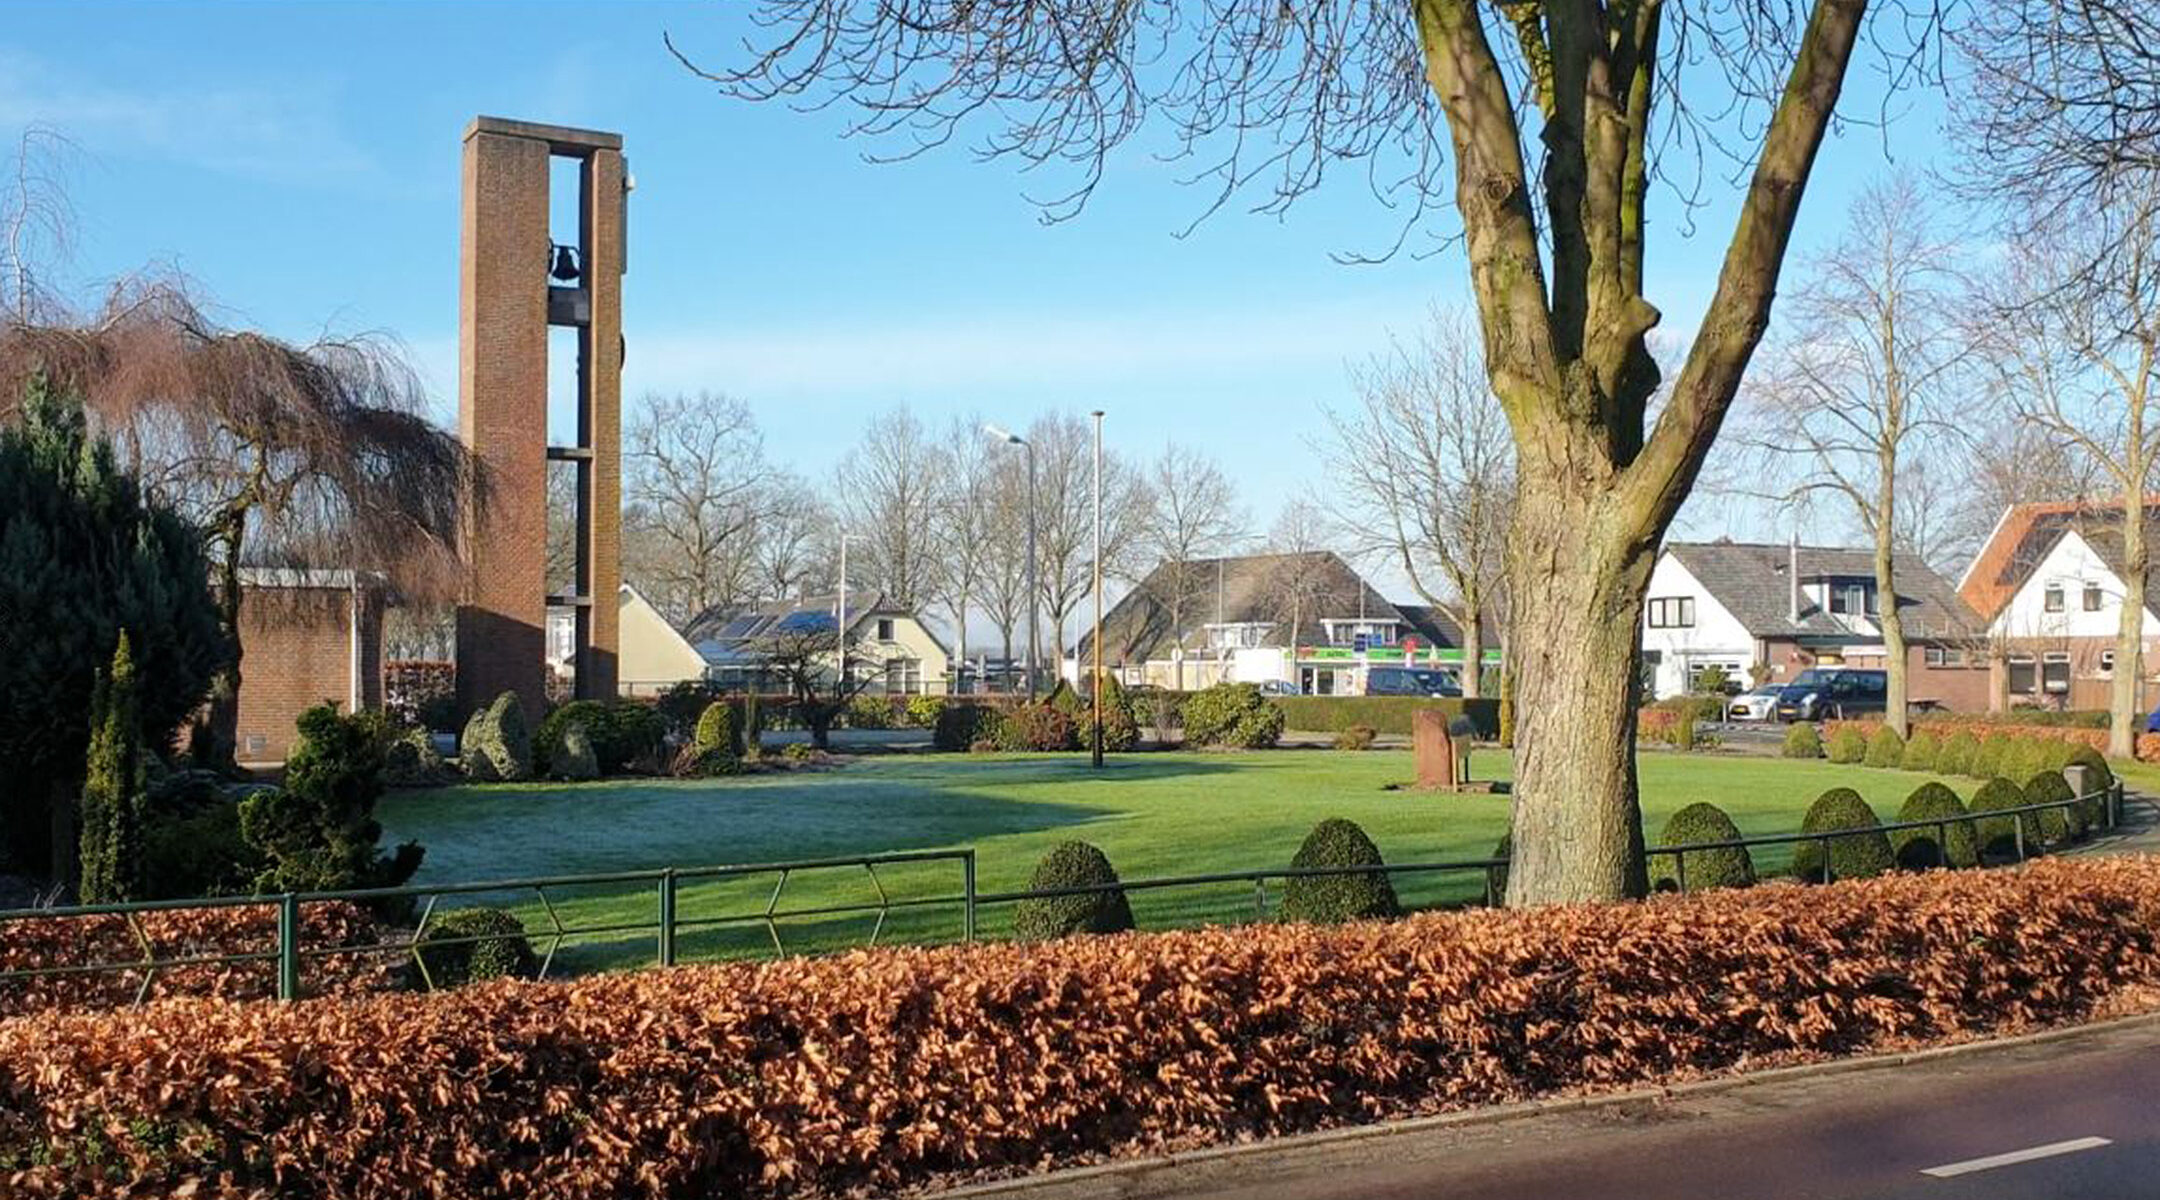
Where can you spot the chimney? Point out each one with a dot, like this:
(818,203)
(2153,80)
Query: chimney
(1792,575)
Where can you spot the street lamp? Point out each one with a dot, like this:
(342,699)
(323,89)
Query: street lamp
(1034,634)
(1095,639)
(841,613)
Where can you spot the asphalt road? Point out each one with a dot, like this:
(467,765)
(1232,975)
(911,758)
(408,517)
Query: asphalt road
(2075,1120)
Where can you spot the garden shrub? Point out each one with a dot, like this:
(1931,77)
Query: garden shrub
(866,711)
(547,739)
(2099,777)
(1071,865)
(411,761)
(192,844)
(1683,731)
(1988,761)
(965,724)
(1177,1026)
(717,730)
(1331,899)
(1860,854)
(1955,844)
(1386,714)
(1922,750)
(693,761)
(317,830)
(1958,752)
(421,692)
(2027,757)
(2058,826)
(1236,715)
(114,805)
(923,711)
(496,746)
(1036,727)
(1999,835)
(1847,745)
(573,757)
(800,752)
(1705,869)
(502,953)
(1121,725)
(1885,748)
(1357,737)
(1803,741)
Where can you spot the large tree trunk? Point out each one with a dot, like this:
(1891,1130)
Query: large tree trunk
(1578,578)
(2124,700)
(1473,651)
(1892,624)
(222,721)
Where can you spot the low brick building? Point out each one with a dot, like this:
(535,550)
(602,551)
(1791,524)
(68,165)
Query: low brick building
(306,636)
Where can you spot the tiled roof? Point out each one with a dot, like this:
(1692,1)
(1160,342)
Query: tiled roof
(1751,580)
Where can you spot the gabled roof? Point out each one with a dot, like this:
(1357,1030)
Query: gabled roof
(1252,589)
(721,633)
(2026,533)
(1752,581)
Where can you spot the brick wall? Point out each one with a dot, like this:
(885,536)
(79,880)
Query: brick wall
(296,652)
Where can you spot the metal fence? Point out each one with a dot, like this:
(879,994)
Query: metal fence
(667,925)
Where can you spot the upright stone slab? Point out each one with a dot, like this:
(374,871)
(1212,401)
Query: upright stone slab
(1434,751)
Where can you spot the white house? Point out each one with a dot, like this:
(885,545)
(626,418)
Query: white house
(2049,581)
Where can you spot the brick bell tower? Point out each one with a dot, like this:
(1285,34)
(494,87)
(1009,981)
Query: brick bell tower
(516,282)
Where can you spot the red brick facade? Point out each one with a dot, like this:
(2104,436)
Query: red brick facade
(298,649)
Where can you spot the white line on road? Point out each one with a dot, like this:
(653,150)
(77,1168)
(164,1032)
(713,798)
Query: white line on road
(1993,1161)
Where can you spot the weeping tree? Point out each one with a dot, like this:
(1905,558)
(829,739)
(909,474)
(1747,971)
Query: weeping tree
(312,455)
(1548,121)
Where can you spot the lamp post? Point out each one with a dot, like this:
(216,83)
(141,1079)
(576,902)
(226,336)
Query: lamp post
(1095,638)
(1034,600)
(841,614)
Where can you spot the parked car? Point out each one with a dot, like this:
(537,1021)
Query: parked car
(1278,687)
(1410,681)
(1756,704)
(1833,692)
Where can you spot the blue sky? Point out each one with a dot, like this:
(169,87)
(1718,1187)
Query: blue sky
(301,161)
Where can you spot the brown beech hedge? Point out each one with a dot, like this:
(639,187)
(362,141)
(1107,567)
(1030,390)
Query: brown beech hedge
(888,1068)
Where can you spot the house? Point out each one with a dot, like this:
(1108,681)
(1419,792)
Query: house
(307,637)
(1305,618)
(2048,582)
(1764,612)
(651,655)
(888,641)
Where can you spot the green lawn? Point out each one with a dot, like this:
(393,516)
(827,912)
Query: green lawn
(1154,815)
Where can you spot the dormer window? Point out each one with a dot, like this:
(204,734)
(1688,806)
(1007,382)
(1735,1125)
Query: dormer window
(1853,597)
(1239,635)
(1375,632)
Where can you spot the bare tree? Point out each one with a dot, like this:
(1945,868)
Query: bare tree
(964,526)
(891,492)
(1284,92)
(1430,471)
(817,666)
(793,540)
(313,455)
(37,222)
(2075,336)
(1864,381)
(1003,586)
(1191,513)
(696,484)
(1300,579)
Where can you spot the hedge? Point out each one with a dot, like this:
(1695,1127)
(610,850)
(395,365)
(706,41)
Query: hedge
(902,1069)
(1337,842)
(1862,852)
(1701,822)
(1385,714)
(1953,844)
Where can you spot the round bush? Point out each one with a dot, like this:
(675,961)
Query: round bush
(1863,852)
(1957,753)
(1071,865)
(573,756)
(1332,899)
(717,729)
(501,951)
(1803,741)
(1705,869)
(1922,750)
(2058,826)
(1998,835)
(1847,745)
(1120,724)
(1988,761)
(2099,777)
(2025,758)
(496,745)
(1232,714)
(1955,844)
(1885,748)
(1357,737)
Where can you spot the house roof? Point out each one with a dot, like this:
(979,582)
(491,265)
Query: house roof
(720,632)
(1751,580)
(2026,534)
(1251,589)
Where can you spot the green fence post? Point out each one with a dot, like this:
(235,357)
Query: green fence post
(967,896)
(667,917)
(288,947)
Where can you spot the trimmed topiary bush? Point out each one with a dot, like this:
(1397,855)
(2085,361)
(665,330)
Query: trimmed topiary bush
(1999,835)
(923,711)
(1332,899)
(1955,844)
(1357,737)
(2099,778)
(1885,748)
(1988,761)
(2058,826)
(496,746)
(1860,854)
(1958,753)
(1121,725)
(1704,869)
(1922,750)
(502,951)
(2027,757)
(1070,865)
(573,758)
(1847,745)
(1232,714)
(411,761)
(1803,741)
(717,729)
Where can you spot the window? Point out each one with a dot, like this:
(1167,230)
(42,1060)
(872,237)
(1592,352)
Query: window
(884,629)
(1672,612)
(1243,635)
(1936,656)
(2092,597)
(2107,662)
(2021,674)
(2052,599)
(2055,671)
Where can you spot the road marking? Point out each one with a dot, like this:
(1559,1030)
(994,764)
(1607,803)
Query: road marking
(1992,1161)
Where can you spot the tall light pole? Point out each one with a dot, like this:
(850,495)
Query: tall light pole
(1095,639)
(840,615)
(1034,600)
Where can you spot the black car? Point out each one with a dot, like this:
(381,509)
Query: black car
(1833,692)
(1410,681)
